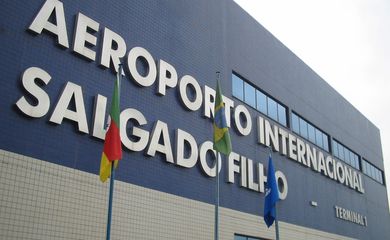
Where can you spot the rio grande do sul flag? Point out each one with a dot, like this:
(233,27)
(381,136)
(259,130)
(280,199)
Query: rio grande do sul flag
(112,150)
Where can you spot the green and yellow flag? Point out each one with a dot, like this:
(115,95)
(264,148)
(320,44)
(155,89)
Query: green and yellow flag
(112,145)
(222,141)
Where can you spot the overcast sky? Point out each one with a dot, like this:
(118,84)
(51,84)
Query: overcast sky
(346,42)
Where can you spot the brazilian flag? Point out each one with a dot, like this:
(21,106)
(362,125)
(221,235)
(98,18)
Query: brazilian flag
(222,141)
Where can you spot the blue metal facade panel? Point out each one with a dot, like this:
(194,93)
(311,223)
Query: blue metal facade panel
(197,38)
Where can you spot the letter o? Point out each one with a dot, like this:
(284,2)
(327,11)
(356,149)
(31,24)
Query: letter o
(340,176)
(195,104)
(203,149)
(281,180)
(245,131)
(132,57)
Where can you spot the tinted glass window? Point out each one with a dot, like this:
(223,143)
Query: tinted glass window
(282,115)
(261,102)
(325,142)
(352,159)
(312,133)
(376,174)
(295,123)
(319,137)
(303,128)
(369,168)
(272,109)
(249,95)
(357,161)
(346,156)
(364,166)
(335,148)
(258,100)
(239,238)
(238,87)
(341,152)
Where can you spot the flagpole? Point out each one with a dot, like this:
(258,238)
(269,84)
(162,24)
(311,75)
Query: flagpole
(222,144)
(276,218)
(276,225)
(112,179)
(216,228)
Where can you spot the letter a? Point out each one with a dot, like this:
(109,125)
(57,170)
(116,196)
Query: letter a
(41,21)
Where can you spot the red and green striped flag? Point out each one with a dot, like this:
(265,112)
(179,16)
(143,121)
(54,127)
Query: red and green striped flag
(112,145)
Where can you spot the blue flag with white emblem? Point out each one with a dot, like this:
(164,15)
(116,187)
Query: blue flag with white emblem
(271,195)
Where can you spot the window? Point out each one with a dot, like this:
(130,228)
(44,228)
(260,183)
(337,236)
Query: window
(238,87)
(345,155)
(249,95)
(258,100)
(318,137)
(303,128)
(372,171)
(295,123)
(364,166)
(335,149)
(341,152)
(309,132)
(357,161)
(261,102)
(241,237)
(236,237)
(312,133)
(377,174)
(325,142)
(352,159)
(282,115)
(272,109)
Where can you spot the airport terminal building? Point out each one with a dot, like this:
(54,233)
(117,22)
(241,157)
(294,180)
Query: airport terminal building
(59,60)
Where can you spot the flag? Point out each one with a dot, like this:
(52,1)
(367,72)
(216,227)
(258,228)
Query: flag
(112,150)
(222,141)
(271,195)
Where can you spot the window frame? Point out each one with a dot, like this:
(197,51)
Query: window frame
(240,82)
